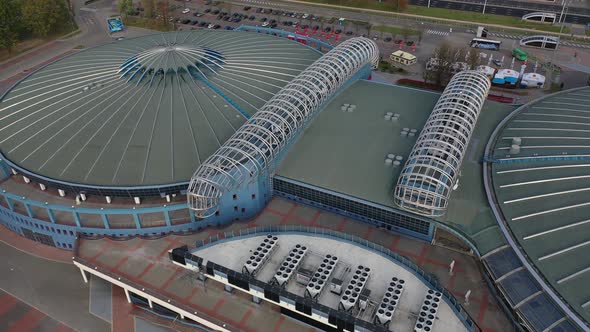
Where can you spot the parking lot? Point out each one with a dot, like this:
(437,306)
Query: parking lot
(197,14)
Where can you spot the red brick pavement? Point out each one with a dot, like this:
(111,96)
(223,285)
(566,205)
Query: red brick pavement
(34,248)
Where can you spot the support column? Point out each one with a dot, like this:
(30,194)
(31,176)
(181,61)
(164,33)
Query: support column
(108,198)
(61,192)
(137,220)
(150,303)
(29,210)
(181,316)
(137,200)
(83,197)
(9,203)
(42,186)
(167,217)
(14,172)
(105,220)
(168,198)
(127,295)
(27,180)
(51,216)
(192,215)
(77,218)
(84,275)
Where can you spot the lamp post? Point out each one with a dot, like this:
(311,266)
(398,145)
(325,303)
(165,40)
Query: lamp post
(484,6)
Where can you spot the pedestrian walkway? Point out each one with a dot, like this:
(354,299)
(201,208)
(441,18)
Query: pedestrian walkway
(34,248)
(17,316)
(437,32)
(145,263)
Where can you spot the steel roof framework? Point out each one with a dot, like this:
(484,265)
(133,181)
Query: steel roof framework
(432,169)
(256,145)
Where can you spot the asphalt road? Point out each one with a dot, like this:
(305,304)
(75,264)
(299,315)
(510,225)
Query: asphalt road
(575,15)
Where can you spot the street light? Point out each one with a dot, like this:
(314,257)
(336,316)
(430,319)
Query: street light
(484,6)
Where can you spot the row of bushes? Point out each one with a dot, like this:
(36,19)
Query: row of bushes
(386,66)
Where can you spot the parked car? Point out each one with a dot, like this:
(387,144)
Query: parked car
(247,8)
(210,26)
(409,43)
(497,62)
(227,27)
(265,24)
(194,22)
(185,21)
(186,11)
(252,17)
(388,39)
(348,33)
(208,10)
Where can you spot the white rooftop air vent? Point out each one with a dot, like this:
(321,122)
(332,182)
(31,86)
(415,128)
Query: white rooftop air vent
(289,266)
(389,302)
(260,255)
(354,289)
(320,277)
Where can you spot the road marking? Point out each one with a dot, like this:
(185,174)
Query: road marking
(438,33)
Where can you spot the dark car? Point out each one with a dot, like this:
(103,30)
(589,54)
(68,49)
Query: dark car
(327,29)
(227,18)
(398,41)
(237,19)
(252,17)
(227,27)
(215,12)
(203,24)
(274,25)
(219,17)
(259,10)
(194,22)
(247,8)
(387,39)
(348,33)
(338,31)
(272,21)
(208,10)
(315,27)
(409,43)
(216,26)
(263,19)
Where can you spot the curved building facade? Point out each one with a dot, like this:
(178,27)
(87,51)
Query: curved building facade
(432,169)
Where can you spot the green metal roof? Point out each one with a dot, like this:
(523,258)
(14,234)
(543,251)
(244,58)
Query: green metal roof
(143,111)
(544,190)
(345,152)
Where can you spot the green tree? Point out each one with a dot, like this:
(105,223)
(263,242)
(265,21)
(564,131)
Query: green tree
(125,6)
(10,23)
(473,59)
(44,16)
(402,5)
(148,8)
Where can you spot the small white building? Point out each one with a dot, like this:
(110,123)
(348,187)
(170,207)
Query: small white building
(532,80)
(404,58)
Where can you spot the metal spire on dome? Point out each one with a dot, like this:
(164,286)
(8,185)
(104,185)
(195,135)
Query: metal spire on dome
(254,148)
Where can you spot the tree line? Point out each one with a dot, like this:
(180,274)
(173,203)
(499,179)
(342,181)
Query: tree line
(22,19)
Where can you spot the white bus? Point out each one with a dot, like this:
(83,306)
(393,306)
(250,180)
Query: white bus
(487,44)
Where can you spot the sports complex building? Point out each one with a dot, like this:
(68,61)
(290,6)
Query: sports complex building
(172,133)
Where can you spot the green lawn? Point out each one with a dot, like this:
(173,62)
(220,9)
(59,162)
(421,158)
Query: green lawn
(391,6)
(147,23)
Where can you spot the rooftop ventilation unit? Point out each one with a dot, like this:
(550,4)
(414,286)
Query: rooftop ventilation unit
(428,312)
(261,255)
(390,300)
(354,289)
(289,265)
(320,277)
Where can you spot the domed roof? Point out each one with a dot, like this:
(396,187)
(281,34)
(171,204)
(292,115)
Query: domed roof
(143,111)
